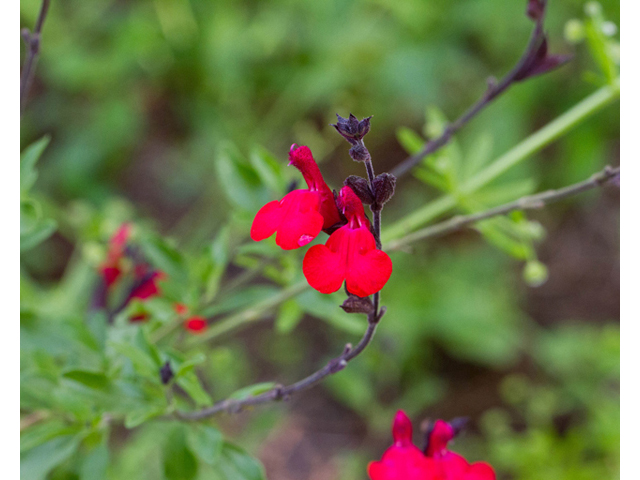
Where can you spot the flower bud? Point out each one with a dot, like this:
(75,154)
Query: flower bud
(360,187)
(354,304)
(166,373)
(385,186)
(359,153)
(351,129)
(535,273)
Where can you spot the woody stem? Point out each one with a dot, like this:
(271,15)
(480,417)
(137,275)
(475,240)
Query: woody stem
(377,217)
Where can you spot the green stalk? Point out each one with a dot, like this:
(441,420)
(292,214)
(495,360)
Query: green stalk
(520,152)
(248,315)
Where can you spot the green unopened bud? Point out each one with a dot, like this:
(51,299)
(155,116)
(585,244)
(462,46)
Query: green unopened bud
(535,273)
(574,31)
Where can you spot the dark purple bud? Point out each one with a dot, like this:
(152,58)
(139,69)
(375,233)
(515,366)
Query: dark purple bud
(360,187)
(166,373)
(351,129)
(540,62)
(535,9)
(385,186)
(354,304)
(359,153)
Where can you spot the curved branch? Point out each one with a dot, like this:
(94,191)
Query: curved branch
(32,40)
(519,72)
(530,202)
(281,392)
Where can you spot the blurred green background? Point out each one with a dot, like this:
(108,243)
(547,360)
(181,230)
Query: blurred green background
(156,110)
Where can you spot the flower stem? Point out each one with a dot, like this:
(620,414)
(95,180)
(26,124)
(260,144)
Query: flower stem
(248,315)
(520,152)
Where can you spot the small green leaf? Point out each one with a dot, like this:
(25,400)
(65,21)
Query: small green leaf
(206,442)
(30,213)
(91,379)
(236,464)
(188,365)
(190,383)
(142,362)
(94,465)
(252,390)
(28,159)
(38,234)
(141,415)
(269,169)
(41,432)
(410,140)
(289,315)
(36,463)
(179,463)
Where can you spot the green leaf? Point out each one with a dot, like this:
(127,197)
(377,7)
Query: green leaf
(236,464)
(179,463)
(37,235)
(143,363)
(94,465)
(30,213)
(269,169)
(289,315)
(190,383)
(239,182)
(162,254)
(206,442)
(28,159)
(141,415)
(36,463)
(91,379)
(188,365)
(41,432)
(409,139)
(252,390)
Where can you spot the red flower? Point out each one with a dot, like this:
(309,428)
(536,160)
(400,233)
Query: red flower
(350,254)
(111,269)
(181,308)
(146,286)
(404,461)
(301,214)
(196,324)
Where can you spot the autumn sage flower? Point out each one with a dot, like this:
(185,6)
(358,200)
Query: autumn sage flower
(350,254)
(112,268)
(195,324)
(300,216)
(404,461)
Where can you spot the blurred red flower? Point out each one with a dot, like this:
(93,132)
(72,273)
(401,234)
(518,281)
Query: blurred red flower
(350,254)
(111,268)
(404,461)
(196,324)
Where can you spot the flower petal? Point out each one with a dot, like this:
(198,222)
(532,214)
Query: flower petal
(323,268)
(295,218)
(266,221)
(300,221)
(480,471)
(368,269)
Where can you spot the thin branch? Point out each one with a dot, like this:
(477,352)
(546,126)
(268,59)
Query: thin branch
(493,91)
(283,393)
(525,203)
(32,40)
